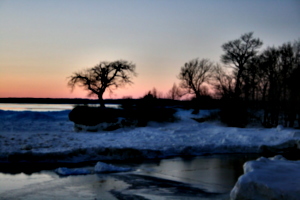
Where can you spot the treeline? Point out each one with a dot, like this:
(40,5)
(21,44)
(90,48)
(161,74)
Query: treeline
(149,99)
(267,80)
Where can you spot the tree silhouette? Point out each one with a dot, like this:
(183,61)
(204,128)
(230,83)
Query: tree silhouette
(294,101)
(238,52)
(193,74)
(224,82)
(174,93)
(105,75)
(266,80)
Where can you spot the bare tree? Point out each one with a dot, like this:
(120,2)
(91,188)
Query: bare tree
(224,82)
(174,93)
(105,75)
(156,94)
(279,66)
(253,78)
(238,52)
(193,74)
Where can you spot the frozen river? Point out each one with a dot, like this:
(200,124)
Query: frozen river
(204,177)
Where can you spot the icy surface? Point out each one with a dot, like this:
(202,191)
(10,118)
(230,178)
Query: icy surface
(263,179)
(102,167)
(64,171)
(50,136)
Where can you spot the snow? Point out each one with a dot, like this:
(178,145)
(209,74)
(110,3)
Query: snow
(50,136)
(102,167)
(268,178)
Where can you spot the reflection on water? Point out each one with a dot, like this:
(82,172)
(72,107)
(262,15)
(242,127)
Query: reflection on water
(205,177)
(216,173)
(18,181)
(39,186)
(34,107)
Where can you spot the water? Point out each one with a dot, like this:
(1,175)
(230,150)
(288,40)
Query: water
(42,107)
(204,177)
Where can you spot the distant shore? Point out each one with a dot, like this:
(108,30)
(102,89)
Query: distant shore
(55,100)
(206,104)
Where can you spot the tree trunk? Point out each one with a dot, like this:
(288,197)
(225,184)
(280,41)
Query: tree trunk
(237,90)
(101,101)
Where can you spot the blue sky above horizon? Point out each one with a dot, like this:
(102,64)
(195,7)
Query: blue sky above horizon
(44,42)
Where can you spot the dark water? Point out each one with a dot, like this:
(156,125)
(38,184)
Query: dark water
(205,177)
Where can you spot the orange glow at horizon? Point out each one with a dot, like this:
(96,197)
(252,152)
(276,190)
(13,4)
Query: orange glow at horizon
(27,88)
(54,85)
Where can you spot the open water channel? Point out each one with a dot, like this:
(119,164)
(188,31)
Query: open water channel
(204,177)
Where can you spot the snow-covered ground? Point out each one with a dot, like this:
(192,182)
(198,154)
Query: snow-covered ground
(50,136)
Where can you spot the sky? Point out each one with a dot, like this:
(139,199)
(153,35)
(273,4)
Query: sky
(43,42)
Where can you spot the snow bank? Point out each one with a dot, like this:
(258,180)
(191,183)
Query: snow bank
(35,138)
(263,179)
(105,168)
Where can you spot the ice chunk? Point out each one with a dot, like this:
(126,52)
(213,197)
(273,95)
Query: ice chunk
(64,171)
(274,178)
(279,128)
(103,167)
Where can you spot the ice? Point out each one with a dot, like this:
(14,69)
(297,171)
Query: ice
(268,178)
(296,134)
(64,171)
(102,167)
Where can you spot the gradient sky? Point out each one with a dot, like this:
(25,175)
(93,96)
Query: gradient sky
(44,42)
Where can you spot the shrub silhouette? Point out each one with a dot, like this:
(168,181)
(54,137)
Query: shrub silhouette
(144,111)
(91,116)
